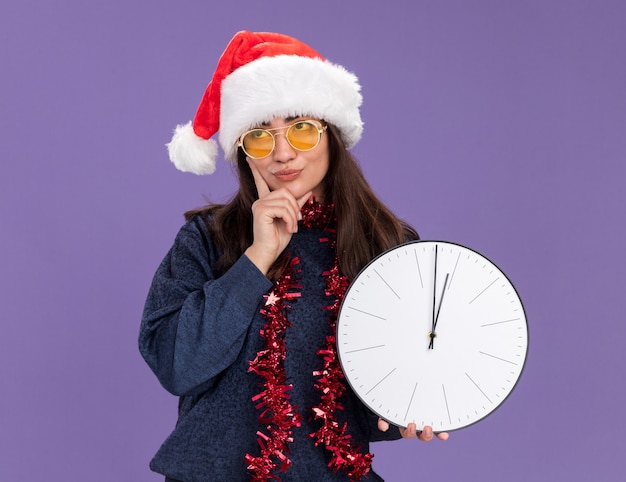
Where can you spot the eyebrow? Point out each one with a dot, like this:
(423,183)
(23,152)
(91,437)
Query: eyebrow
(287,119)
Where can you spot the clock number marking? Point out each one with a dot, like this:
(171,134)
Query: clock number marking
(363,349)
(383,279)
(419,271)
(446,400)
(497,358)
(489,286)
(367,313)
(454,270)
(410,402)
(479,389)
(499,322)
(381,380)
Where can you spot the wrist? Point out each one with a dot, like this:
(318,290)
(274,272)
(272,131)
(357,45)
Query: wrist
(261,262)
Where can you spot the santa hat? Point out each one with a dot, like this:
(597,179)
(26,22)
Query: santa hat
(260,76)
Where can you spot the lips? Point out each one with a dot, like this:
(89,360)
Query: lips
(287,174)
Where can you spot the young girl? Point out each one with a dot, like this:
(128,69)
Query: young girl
(240,318)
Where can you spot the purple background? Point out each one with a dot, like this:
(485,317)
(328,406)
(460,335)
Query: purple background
(497,124)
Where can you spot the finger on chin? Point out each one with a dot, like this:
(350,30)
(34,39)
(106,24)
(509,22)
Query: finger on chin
(261,186)
(303,200)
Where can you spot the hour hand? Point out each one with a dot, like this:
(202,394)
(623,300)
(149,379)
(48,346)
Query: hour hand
(432,326)
(433,333)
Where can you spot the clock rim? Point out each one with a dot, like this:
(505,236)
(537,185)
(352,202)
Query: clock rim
(435,241)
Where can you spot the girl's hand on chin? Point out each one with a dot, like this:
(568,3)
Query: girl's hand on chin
(275,220)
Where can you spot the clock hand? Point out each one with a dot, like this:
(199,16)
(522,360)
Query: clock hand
(432,328)
(443,291)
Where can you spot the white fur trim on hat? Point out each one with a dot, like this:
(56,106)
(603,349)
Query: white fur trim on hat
(190,153)
(288,85)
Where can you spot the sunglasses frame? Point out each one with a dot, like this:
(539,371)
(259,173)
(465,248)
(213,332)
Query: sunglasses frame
(317,124)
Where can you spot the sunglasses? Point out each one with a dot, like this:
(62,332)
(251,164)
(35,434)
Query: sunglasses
(302,135)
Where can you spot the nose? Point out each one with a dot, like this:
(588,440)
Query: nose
(283,151)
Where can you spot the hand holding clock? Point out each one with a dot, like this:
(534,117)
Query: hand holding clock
(425,435)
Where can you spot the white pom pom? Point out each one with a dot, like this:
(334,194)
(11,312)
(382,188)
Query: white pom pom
(190,153)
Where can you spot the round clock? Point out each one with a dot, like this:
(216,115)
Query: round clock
(434,333)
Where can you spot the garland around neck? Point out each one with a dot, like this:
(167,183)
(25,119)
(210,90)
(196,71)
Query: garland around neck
(277,414)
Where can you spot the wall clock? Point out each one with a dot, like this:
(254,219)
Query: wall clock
(434,333)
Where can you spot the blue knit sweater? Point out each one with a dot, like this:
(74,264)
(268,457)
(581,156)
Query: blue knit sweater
(198,333)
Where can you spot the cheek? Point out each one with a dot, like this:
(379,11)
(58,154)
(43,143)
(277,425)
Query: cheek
(262,166)
(323,167)
(324,159)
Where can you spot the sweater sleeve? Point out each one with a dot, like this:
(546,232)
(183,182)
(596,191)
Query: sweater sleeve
(195,323)
(377,435)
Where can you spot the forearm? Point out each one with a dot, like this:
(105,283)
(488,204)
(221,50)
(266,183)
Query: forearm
(195,321)
(190,342)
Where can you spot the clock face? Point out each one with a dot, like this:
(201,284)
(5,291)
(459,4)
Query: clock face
(434,333)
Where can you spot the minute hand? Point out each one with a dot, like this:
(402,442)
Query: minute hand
(443,292)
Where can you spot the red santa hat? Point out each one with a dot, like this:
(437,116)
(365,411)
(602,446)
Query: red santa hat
(260,76)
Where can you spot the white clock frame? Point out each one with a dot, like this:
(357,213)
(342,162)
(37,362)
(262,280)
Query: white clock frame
(403,372)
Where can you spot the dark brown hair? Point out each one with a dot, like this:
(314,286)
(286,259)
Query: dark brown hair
(365,226)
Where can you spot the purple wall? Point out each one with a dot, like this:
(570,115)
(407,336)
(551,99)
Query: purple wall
(497,124)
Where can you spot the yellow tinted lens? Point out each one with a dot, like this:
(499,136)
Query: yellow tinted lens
(258,143)
(303,136)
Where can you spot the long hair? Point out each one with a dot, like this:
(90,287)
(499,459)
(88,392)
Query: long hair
(365,226)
